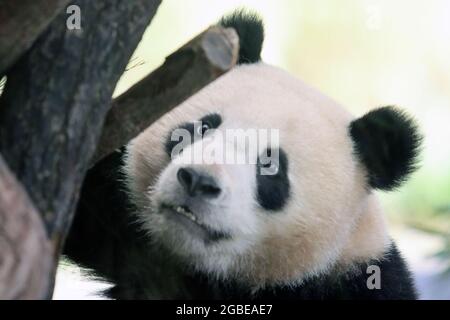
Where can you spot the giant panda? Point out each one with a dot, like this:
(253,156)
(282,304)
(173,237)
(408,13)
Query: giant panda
(158,228)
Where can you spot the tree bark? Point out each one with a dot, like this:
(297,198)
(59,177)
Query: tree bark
(26,257)
(186,71)
(21,22)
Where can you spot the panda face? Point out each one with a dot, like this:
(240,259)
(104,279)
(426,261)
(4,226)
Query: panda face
(314,213)
(228,220)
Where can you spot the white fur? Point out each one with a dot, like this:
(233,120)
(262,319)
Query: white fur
(330,218)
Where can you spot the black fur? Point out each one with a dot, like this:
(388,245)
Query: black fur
(171,143)
(213,120)
(387,142)
(250,30)
(396,284)
(273,190)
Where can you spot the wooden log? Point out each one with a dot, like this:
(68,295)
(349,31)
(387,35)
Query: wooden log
(193,66)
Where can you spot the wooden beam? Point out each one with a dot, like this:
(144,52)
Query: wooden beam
(193,66)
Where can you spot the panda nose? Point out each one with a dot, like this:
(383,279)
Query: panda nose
(196,183)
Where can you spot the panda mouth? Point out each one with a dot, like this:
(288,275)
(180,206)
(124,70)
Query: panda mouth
(189,219)
(183,211)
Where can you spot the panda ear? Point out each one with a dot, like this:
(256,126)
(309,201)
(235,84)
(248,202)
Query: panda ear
(250,29)
(387,142)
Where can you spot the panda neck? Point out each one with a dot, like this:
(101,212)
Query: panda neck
(369,238)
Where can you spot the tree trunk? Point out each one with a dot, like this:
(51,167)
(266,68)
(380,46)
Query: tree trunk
(21,22)
(25,253)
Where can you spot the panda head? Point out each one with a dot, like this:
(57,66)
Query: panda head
(313,209)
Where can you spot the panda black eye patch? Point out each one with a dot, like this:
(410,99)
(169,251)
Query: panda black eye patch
(213,120)
(209,121)
(273,190)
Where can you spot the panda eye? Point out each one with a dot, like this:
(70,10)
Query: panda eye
(266,165)
(269,163)
(203,128)
(273,166)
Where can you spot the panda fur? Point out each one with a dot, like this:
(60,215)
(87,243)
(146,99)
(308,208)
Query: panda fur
(309,232)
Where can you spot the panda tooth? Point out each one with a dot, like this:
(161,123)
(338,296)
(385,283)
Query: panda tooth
(185,212)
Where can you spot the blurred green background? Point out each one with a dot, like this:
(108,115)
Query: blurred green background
(364,54)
